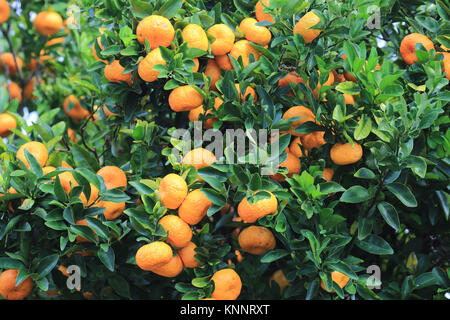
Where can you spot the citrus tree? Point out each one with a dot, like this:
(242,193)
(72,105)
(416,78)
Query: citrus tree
(246,149)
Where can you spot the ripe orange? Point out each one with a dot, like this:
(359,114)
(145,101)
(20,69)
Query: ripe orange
(408,46)
(295,149)
(185,98)
(4,11)
(172,190)
(257,34)
(227,285)
(313,140)
(94,53)
(256,240)
(157,29)
(195,36)
(114,73)
(72,135)
(212,70)
(29,88)
(8,288)
(194,115)
(114,177)
(338,277)
(179,232)
(199,158)
(54,41)
(153,255)
(145,68)
(48,23)
(248,91)
(194,207)
(37,149)
(224,39)
(196,65)
(260,15)
(7,122)
(77,112)
(187,255)
(328,174)
(170,269)
(112,209)
(344,153)
(292,163)
(305,27)
(446,67)
(290,77)
(279,277)
(303,113)
(223,61)
(8,63)
(243,48)
(250,212)
(328,83)
(349,99)
(15,91)
(46,170)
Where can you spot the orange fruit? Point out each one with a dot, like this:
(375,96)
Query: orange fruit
(260,15)
(52,293)
(256,240)
(294,147)
(257,34)
(290,77)
(145,68)
(9,64)
(46,170)
(408,46)
(7,122)
(15,91)
(194,207)
(72,135)
(212,70)
(303,113)
(77,112)
(195,36)
(313,140)
(248,91)
(63,270)
(179,232)
(292,163)
(172,190)
(279,277)
(239,256)
(157,30)
(170,269)
(349,99)
(187,255)
(5,11)
(8,288)
(338,277)
(29,88)
(199,158)
(54,41)
(243,48)
(328,174)
(227,285)
(114,177)
(94,53)
(112,209)
(196,65)
(194,115)
(305,27)
(185,98)
(153,255)
(114,73)
(446,67)
(344,153)
(328,83)
(224,62)
(250,212)
(224,39)
(48,23)
(37,149)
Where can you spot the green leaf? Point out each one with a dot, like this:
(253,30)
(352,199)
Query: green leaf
(47,264)
(34,165)
(417,165)
(389,214)
(274,255)
(364,128)
(348,87)
(107,258)
(355,194)
(364,173)
(376,245)
(403,194)
(120,285)
(170,8)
